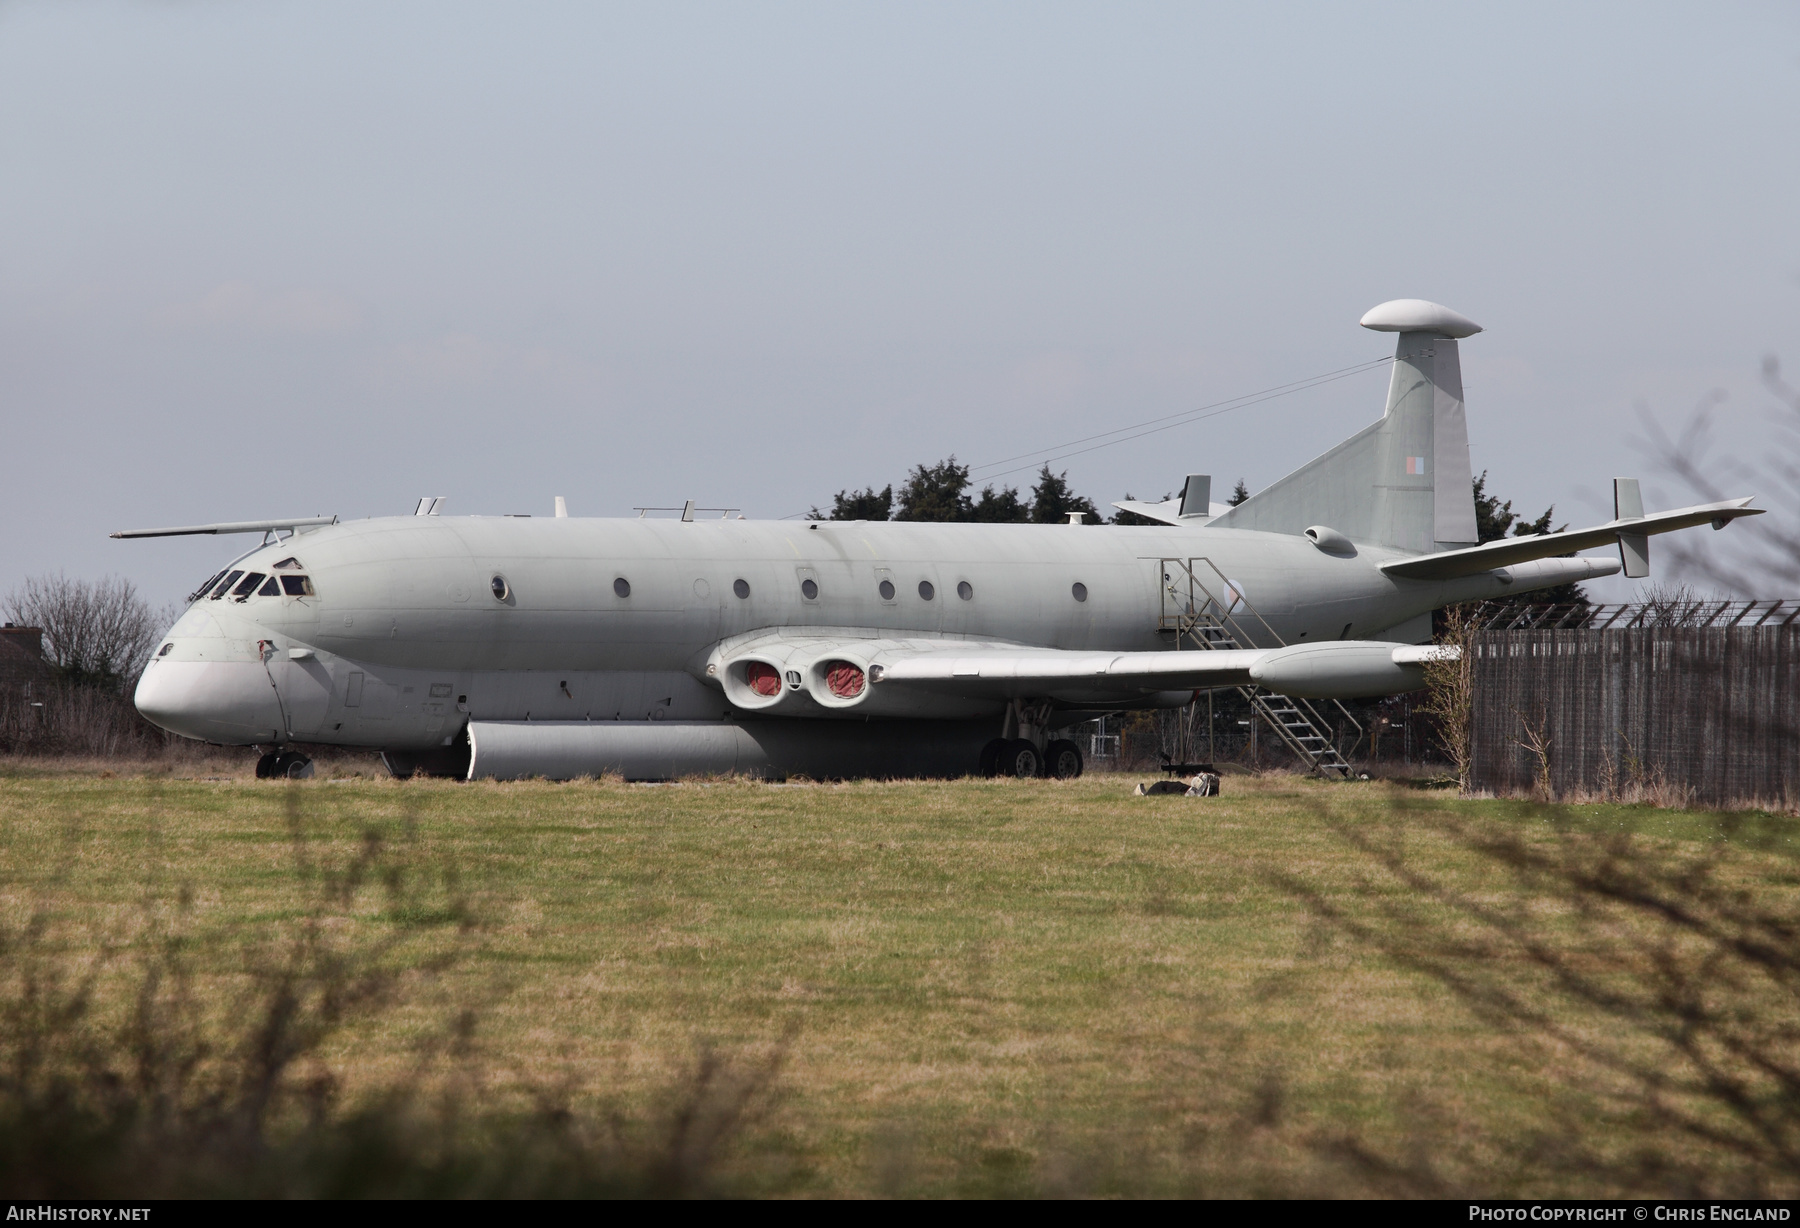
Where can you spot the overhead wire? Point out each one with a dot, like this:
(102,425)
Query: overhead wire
(1168,422)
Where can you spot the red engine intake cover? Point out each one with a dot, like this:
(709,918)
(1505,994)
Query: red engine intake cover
(844,679)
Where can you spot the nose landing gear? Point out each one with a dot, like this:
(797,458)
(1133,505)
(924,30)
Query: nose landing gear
(284,765)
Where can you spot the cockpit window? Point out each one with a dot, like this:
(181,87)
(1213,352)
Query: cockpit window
(297,586)
(207,587)
(225,584)
(287,564)
(247,585)
(270,588)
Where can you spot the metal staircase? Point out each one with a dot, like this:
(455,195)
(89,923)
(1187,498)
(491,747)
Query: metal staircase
(1211,621)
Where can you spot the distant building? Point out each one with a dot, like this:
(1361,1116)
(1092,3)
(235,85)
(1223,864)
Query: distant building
(23,669)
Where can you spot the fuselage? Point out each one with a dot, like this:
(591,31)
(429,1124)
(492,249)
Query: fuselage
(407,627)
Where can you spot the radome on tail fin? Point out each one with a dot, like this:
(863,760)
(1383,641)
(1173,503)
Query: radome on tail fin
(1404,482)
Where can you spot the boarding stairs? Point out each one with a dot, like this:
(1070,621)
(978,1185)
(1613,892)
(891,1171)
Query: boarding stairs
(1196,615)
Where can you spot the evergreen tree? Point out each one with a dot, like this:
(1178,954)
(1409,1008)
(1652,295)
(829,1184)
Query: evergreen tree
(1492,517)
(859,505)
(1004,507)
(936,492)
(1495,520)
(1052,500)
(1239,493)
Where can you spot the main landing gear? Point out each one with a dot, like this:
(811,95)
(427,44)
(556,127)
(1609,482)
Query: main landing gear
(1030,751)
(284,765)
(1020,757)
(1063,759)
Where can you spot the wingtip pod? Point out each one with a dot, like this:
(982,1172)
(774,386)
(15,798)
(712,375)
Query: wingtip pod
(1417,315)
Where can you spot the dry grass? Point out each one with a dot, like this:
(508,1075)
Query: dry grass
(978,986)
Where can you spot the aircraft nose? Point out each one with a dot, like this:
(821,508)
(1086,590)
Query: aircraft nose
(230,702)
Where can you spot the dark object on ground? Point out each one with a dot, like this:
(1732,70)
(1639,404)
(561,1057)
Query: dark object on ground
(1202,784)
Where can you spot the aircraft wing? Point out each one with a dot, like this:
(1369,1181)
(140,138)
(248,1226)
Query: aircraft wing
(863,673)
(990,670)
(230,526)
(1453,563)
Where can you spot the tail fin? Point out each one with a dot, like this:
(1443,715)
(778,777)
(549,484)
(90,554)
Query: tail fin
(1404,482)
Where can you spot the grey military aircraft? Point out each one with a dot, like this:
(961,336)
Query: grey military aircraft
(654,647)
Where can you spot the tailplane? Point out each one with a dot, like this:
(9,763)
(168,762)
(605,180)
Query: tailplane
(1404,482)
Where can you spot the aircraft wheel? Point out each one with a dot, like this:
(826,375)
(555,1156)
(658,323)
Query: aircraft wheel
(1021,759)
(990,757)
(265,766)
(1064,759)
(292,765)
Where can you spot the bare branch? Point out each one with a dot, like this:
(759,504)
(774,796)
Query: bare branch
(98,631)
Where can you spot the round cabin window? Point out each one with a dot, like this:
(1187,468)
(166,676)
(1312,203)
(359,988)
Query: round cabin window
(741,588)
(965,590)
(1079,591)
(809,589)
(622,587)
(500,590)
(886,588)
(926,592)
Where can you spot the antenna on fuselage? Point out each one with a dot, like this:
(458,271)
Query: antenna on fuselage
(430,505)
(562,508)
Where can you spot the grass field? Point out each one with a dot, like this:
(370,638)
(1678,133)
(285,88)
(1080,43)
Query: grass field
(968,987)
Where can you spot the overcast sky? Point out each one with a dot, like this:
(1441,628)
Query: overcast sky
(269,259)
